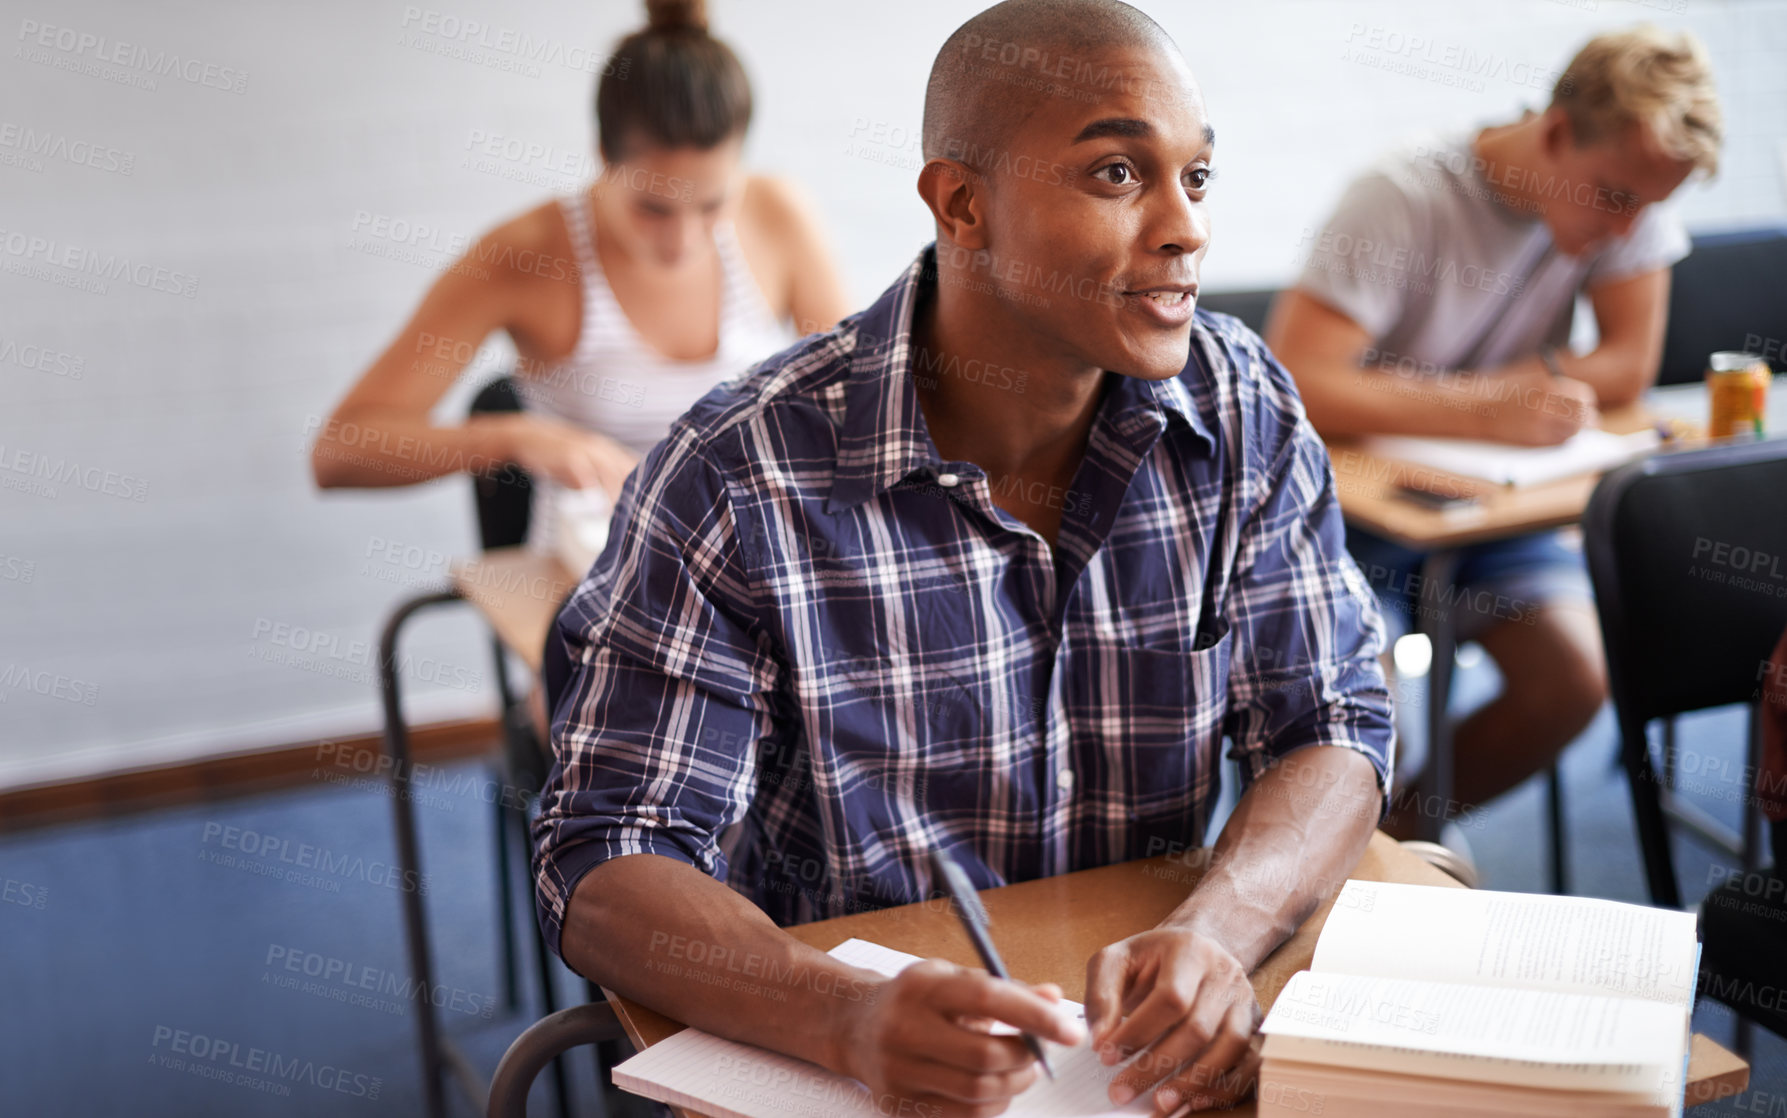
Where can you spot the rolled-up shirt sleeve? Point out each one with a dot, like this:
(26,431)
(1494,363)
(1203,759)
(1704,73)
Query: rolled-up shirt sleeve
(1656,240)
(1304,668)
(654,740)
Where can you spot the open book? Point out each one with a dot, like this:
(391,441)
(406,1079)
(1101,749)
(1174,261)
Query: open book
(726,1079)
(1588,451)
(1429,1000)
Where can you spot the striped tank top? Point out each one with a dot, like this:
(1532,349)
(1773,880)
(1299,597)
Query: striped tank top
(616,384)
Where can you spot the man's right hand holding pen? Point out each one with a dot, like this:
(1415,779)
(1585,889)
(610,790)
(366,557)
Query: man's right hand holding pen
(924,1036)
(1537,403)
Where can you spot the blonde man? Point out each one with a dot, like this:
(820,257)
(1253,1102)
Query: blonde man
(1438,300)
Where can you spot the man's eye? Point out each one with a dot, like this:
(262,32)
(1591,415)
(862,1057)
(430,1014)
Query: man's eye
(1199,177)
(1115,169)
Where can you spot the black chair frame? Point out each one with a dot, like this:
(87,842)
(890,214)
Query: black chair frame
(1675,641)
(503,498)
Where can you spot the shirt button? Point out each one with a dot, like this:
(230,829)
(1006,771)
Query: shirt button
(1064,779)
(948,481)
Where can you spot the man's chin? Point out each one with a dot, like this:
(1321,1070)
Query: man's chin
(1157,363)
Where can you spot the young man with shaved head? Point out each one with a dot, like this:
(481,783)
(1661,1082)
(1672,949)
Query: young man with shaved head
(994,566)
(1438,301)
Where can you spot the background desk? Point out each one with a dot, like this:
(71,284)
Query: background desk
(518,592)
(1047,929)
(1366,485)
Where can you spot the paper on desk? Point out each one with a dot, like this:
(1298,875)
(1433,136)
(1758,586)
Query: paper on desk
(726,1079)
(579,525)
(1586,452)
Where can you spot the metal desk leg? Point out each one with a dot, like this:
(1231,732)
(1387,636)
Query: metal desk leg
(505,895)
(1554,810)
(1437,623)
(549,1000)
(518,735)
(415,919)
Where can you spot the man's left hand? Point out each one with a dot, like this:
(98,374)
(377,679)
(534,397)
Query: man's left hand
(1183,1001)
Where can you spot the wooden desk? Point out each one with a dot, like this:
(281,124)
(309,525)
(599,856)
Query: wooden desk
(1048,929)
(518,592)
(1366,485)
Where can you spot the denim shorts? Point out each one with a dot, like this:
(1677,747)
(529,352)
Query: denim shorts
(1504,581)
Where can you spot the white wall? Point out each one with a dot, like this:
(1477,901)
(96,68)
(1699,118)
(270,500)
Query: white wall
(155,624)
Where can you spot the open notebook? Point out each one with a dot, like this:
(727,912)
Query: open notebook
(726,1079)
(1586,452)
(1424,1000)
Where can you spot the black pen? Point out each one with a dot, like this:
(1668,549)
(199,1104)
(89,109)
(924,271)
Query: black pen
(974,919)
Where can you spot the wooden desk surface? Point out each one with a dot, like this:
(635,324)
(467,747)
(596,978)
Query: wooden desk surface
(1048,929)
(518,592)
(1366,485)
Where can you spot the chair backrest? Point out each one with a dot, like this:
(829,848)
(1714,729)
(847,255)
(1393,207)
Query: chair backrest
(504,497)
(1727,296)
(1248,306)
(1688,553)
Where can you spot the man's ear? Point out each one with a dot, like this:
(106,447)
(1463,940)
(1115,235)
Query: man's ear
(1558,135)
(956,195)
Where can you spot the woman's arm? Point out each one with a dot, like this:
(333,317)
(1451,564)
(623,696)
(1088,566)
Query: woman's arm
(381,433)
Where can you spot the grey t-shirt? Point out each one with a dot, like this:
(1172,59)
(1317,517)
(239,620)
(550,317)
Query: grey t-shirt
(1443,274)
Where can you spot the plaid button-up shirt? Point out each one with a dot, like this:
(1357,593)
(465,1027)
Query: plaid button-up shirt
(813,649)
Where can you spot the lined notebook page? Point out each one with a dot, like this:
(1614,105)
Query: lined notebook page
(726,1079)
(1569,944)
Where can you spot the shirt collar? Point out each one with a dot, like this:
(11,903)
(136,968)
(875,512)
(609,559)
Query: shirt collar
(884,437)
(1172,397)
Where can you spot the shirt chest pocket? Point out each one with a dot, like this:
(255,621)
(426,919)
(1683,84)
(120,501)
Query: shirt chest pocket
(1161,720)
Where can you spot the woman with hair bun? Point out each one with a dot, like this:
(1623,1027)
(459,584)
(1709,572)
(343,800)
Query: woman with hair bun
(626,301)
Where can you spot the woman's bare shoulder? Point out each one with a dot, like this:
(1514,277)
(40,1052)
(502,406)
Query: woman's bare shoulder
(775,205)
(780,215)
(528,245)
